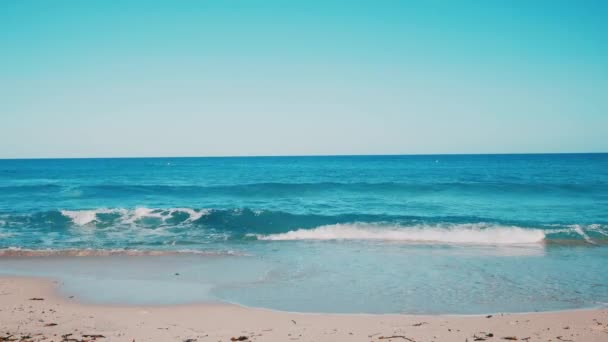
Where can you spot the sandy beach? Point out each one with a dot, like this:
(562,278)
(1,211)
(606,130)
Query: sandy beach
(31,310)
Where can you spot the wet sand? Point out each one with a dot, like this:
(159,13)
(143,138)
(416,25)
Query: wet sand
(31,310)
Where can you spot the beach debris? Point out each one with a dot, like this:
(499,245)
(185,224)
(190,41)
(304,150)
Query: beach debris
(294,322)
(67,338)
(190,340)
(561,338)
(419,324)
(93,336)
(395,336)
(86,338)
(36,298)
(510,338)
(240,338)
(489,316)
(484,336)
(50,324)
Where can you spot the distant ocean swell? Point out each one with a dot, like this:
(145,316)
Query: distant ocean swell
(178,228)
(289,189)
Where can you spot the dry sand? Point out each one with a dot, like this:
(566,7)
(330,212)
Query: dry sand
(31,310)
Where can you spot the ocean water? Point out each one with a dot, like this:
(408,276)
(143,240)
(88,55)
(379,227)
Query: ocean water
(376,234)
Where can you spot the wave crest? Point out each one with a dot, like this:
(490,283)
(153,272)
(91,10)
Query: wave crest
(84,217)
(456,234)
(186,226)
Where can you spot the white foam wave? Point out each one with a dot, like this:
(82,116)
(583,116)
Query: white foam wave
(481,234)
(25,252)
(578,229)
(84,217)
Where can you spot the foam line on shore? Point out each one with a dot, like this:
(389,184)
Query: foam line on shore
(19,252)
(455,234)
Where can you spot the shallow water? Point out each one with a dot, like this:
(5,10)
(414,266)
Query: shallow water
(381,234)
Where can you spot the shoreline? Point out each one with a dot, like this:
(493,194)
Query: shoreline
(33,306)
(54,283)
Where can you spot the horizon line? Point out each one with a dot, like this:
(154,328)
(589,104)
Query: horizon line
(311,155)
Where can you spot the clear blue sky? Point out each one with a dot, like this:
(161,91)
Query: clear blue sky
(196,78)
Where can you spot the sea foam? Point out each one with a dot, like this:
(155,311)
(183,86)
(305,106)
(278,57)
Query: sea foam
(90,252)
(84,217)
(453,234)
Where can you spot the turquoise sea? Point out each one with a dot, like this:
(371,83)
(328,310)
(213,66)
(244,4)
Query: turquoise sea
(459,234)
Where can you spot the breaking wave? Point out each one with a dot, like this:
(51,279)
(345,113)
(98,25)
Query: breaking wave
(456,234)
(83,217)
(72,231)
